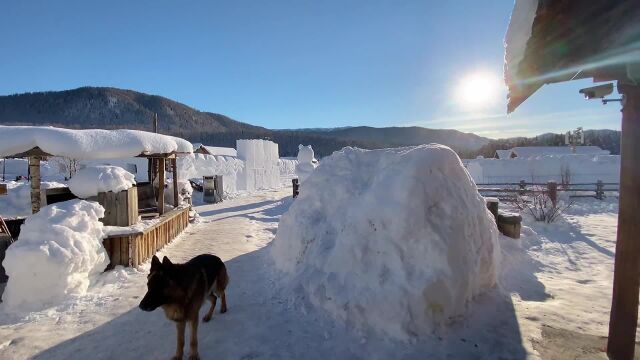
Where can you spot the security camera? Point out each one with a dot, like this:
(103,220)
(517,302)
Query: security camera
(597,92)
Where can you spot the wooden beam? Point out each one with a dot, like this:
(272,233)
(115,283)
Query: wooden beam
(34,178)
(161,179)
(626,277)
(174,168)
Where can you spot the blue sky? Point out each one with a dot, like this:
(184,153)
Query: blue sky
(289,64)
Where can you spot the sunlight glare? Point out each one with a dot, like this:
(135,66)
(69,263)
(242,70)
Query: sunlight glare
(476,90)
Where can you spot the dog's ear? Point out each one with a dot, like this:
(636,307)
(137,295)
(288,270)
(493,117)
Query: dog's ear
(155,262)
(166,261)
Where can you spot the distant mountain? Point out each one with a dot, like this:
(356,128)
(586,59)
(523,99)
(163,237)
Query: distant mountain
(405,136)
(112,108)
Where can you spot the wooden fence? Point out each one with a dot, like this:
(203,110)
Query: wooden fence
(510,191)
(135,248)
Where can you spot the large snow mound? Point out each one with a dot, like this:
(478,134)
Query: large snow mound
(396,241)
(91,180)
(58,252)
(88,144)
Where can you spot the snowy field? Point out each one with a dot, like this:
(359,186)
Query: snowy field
(554,281)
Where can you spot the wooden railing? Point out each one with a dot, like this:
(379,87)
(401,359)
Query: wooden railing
(506,191)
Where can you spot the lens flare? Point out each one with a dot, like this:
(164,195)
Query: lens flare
(478,90)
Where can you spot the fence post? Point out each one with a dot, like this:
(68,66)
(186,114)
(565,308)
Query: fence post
(552,191)
(296,187)
(599,190)
(523,187)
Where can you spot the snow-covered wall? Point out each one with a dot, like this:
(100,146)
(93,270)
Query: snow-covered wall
(394,240)
(261,169)
(199,165)
(581,169)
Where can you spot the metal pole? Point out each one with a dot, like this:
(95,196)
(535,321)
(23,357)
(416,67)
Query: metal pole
(626,276)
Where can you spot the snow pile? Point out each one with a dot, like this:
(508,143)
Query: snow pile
(395,240)
(17,201)
(306,162)
(92,180)
(199,165)
(87,144)
(57,254)
(260,165)
(575,167)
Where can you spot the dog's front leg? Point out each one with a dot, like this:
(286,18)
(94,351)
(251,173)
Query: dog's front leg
(193,341)
(180,326)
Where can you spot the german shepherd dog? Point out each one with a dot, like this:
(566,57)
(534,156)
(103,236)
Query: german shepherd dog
(180,289)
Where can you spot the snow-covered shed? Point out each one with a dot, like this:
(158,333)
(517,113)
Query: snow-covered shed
(214,150)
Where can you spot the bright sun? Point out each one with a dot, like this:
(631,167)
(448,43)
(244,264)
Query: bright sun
(478,90)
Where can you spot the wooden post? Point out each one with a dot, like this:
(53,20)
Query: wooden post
(150,169)
(599,190)
(552,191)
(492,205)
(523,187)
(34,178)
(626,276)
(155,123)
(161,179)
(296,187)
(174,169)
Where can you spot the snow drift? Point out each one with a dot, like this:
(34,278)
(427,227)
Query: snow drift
(91,180)
(395,240)
(59,250)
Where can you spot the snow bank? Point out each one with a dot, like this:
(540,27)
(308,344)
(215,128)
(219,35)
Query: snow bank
(17,201)
(87,144)
(91,180)
(395,240)
(59,250)
(306,162)
(578,168)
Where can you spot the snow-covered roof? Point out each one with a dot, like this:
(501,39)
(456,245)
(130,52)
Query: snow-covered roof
(214,150)
(504,154)
(92,144)
(532,151)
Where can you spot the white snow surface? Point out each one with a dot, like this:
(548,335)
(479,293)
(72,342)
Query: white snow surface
(260,165)
(397,241)
(88,144)
(17,201)
(199,165)
(557,275)
(57,254)
(92,180)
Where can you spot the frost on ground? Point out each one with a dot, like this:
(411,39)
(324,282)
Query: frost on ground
(92,180)
(400,242)
(58,253)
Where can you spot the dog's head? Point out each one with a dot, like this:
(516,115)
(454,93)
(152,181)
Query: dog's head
(162,287)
